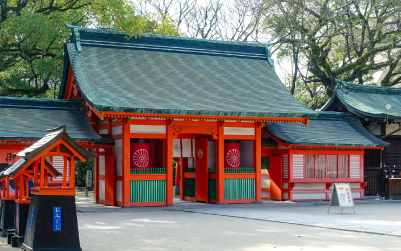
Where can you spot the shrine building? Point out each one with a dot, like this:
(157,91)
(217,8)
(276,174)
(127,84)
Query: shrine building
(153,92)
(302,162)
(379,110)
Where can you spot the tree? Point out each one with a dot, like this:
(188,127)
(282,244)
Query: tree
(33,34)
(229,20)
(346,39)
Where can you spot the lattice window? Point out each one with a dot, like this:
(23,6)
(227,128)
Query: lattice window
(320,166)
(326,166)
(343,166)
(332,166)
(309,166)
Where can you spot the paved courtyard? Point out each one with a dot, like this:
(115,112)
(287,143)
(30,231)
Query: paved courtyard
(268,226)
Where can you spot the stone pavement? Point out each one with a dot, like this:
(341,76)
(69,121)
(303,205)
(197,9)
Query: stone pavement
(338,222)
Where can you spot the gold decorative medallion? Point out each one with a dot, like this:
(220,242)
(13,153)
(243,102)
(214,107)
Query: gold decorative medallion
(200,153)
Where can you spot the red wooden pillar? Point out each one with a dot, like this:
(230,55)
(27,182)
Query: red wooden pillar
(72,172)
(65,172)
(126,165)
(220,165)
(42,172)
(258,162)
(169,164)
(36,173)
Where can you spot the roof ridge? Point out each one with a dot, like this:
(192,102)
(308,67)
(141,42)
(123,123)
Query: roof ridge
(114,32)
(346,87)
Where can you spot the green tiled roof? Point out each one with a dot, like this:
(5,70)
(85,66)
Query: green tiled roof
(158,74)
(28,119)
(328,129)
(367,101)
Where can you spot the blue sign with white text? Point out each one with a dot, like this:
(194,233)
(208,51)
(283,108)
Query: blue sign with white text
(56,218)
(30,223)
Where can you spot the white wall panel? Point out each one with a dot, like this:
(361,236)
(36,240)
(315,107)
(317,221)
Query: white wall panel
(308,196)
(239,131)
(285,196)
(297,166)
(154,129)
(265,194)
(355,166)
(309,186)
(102,165)
(119,191)
(117,130)
(186,148)
(102,188)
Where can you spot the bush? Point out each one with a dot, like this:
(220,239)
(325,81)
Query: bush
(80,171)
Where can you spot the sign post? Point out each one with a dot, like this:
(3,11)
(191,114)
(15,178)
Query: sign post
(341,196)
(89,181)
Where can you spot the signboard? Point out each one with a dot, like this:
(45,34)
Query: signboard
(341,196)
(89,178)
(56,218)
(30,223)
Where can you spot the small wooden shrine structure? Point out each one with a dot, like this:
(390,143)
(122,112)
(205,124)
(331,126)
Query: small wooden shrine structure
(303,162)
(379,110)
(7,205)
(22,194)
(154,94)
(52,221)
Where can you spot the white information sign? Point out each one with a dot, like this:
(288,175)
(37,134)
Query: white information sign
(89,178)
(341,196)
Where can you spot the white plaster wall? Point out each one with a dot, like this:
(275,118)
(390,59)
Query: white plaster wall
(308,196)
(119,191)
(186,148)
(265,181)
(285,196)
(246,153)
(239,131)
(117,130)
(309,186)
(102,165)
(391,128)
(265,194)
(101,189)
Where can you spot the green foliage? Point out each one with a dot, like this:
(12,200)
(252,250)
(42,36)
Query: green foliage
(33,33)
(80,171)
(348,40)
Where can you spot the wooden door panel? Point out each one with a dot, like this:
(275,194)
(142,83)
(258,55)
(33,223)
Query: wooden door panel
(201,162)
(276,181)
(109,180)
